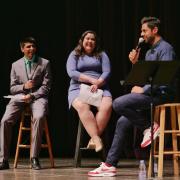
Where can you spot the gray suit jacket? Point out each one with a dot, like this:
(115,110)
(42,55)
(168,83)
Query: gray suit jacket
(40,74)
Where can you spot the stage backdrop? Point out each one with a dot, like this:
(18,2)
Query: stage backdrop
(57,25)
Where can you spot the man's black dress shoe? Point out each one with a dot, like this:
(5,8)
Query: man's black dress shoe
(35,163)
(4,165)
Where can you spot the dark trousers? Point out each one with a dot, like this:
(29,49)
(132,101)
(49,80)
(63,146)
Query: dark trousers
(132,109)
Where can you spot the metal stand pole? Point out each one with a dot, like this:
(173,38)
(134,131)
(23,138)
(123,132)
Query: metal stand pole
(152,134)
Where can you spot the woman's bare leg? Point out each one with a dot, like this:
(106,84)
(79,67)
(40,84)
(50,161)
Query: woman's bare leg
(87,117)
(104,113)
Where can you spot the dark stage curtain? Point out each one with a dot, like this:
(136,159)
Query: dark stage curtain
(57,25)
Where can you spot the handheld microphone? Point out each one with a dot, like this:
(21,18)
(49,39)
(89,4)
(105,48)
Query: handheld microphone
(141,40)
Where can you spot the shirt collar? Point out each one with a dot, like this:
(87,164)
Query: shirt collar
(27,60)
(156,44)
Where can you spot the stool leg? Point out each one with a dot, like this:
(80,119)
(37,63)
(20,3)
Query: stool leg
(161,142)
(19,141)
(30,150)
(174,141)
(178,115)
(156,118)
(150,167)
(49,143)
(77,157)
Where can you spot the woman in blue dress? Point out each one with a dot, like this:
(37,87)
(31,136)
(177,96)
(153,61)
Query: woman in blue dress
(88,64)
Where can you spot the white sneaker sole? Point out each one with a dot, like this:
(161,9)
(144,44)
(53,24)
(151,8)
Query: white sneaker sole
(102,174)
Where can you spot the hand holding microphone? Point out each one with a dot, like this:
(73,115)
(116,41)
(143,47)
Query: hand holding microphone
(134,54)
(141,40)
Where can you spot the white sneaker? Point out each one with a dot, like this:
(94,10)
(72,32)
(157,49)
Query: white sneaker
(103,170)
(147,135)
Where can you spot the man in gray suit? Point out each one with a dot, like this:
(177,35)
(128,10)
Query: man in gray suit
(30,85)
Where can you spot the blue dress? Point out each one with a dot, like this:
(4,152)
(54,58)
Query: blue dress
(88,65)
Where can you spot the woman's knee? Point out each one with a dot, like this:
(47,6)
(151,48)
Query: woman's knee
(106,104)
(80,107)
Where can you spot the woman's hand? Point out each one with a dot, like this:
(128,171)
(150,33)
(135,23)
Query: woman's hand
(94,88)
(98,82)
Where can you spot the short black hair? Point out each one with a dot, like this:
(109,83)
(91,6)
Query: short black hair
(29,39)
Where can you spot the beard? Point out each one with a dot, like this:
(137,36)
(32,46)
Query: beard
(150,40)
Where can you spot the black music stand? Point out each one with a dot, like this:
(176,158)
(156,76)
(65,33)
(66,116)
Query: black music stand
(153,73)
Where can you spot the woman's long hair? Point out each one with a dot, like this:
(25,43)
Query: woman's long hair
(79,50)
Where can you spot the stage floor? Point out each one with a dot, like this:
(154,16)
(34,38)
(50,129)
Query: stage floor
(64,170)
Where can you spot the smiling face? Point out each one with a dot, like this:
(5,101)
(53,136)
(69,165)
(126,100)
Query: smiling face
(89,43)
(29,49)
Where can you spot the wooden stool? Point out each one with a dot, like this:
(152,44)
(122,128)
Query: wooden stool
(160,114)
(22,128)
(79,148)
